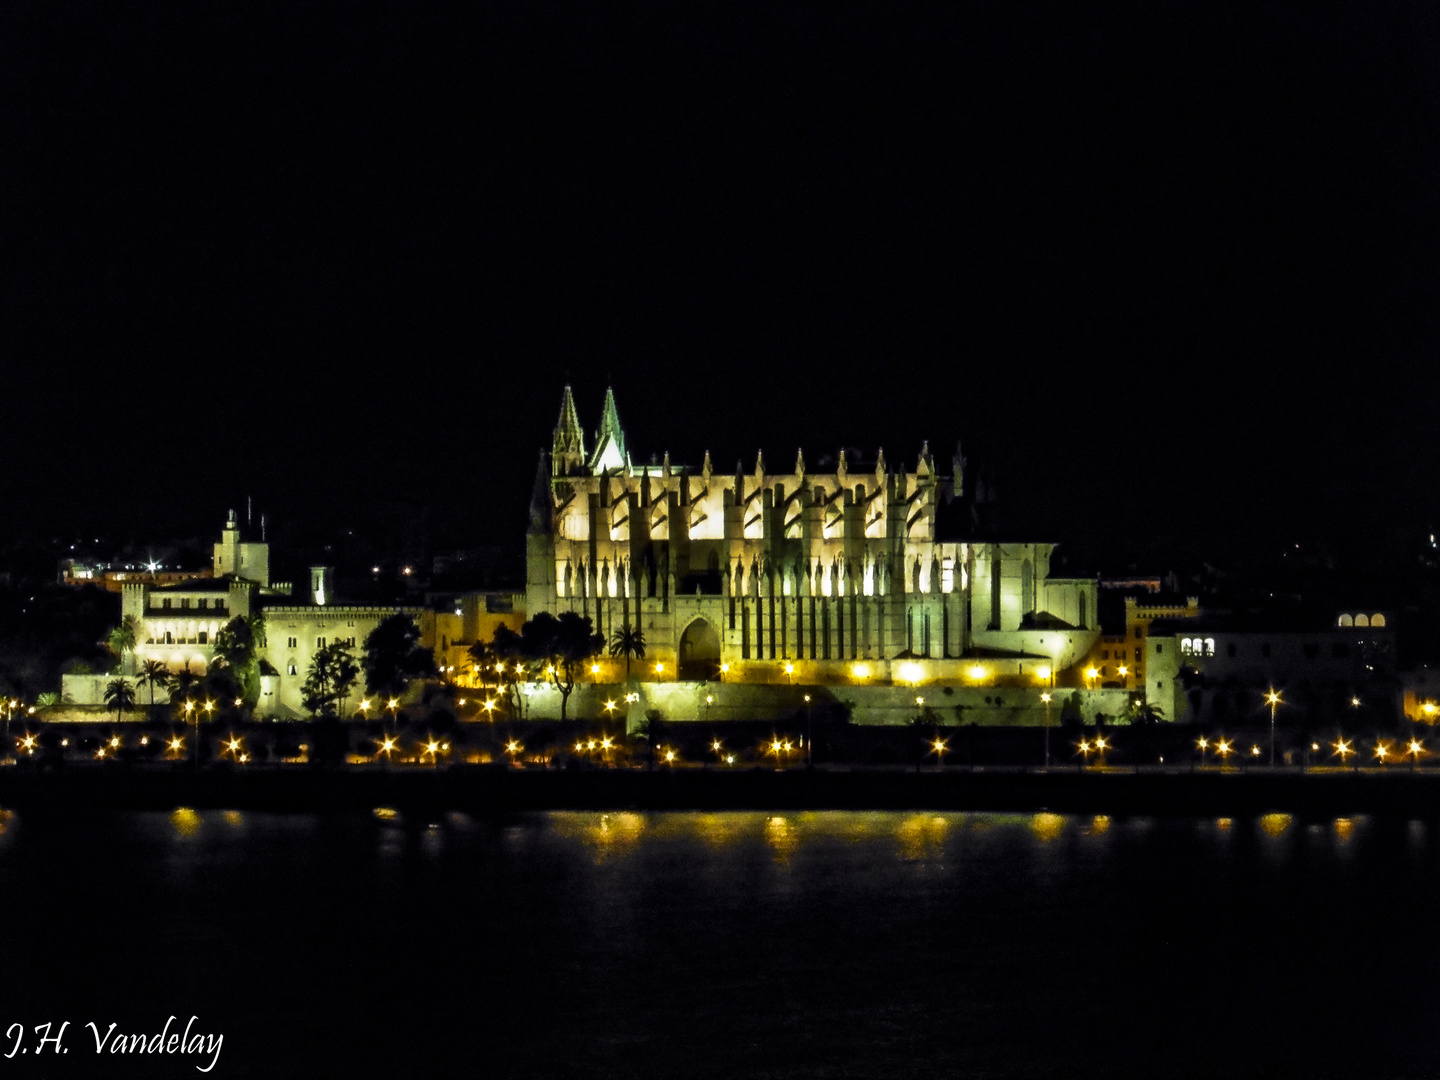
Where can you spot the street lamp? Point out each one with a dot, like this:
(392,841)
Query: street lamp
(1091,674)
(1045,697)
(1414,749)
(809,736)
(1272,699)
(790,673)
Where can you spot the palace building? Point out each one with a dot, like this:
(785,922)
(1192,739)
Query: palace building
(863,572)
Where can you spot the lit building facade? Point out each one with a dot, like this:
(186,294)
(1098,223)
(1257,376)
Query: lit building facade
(834,576)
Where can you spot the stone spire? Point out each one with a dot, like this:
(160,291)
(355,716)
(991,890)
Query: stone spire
(610,439)
(567,451)
(542,507)
(706,470)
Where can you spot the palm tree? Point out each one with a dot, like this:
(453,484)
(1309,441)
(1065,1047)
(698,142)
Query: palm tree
(153,673)
(119,696)
(122,639)
(630,643)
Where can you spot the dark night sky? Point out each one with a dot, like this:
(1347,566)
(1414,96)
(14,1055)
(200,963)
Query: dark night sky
(1170,268)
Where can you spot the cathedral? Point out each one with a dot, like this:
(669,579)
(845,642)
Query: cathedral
(865,573)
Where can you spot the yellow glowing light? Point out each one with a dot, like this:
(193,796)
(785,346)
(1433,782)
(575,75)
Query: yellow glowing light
(590,745)
(432,747)
(1382,751)
(939,745)
(209,706)
(1429,708)
(607,743)
(1202,742)
(489,705)
(610,706)
(715,745)
(100,753)
(580,747)
(1414,747)
(669,755)
(392,703)
(1124,671)
(1084,747)
(239,702)
(977,672)
(233,744)
(919,701)
(387,745)
(594,669)
(115,741)
(1042,672)
(144,740)
(175,744)
(1272,698)
(1355,701)
(550,670)
(244,758)
(189,705)
(365,705)
(860,671)
(729,759)
(462,701)
(911,673)
(28,742)
(1223,747)
(1091,673)
(1100,743)
(724,668)
(1342,748)
(1045,698)
(1254,750)
(513,747)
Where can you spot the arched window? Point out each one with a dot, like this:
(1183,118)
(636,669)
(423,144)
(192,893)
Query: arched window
(1185,646)
(1209,646)
(1346,620)
(1361,620)
(1377,620)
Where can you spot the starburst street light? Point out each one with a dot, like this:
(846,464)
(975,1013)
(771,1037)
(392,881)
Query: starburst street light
(1342,749)
(1272,699)
(1224,748)
(1414,748)
(610,706)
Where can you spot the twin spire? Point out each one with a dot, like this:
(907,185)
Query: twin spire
(567,452)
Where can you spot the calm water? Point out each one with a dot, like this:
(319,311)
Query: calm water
(736,944)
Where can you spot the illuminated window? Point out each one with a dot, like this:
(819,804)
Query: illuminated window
(1209,646)
(1346,620)
(1362,620)
(1377,620)
(291,670)
(947,577)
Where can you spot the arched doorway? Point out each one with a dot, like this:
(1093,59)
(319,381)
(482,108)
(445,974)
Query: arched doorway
(699,652)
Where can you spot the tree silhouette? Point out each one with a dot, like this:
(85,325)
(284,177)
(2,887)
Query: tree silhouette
(152,674)
(628,642)
(394,656)
(333,671)
(119,696)
(562,646)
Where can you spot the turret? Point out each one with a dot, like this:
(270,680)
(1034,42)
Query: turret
(567,452)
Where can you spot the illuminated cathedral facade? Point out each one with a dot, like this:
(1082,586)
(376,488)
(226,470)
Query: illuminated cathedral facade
(846,575)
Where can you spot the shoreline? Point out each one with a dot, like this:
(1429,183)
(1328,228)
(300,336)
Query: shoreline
(489,791)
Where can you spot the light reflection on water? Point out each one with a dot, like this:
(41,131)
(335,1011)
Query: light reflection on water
(721,939)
